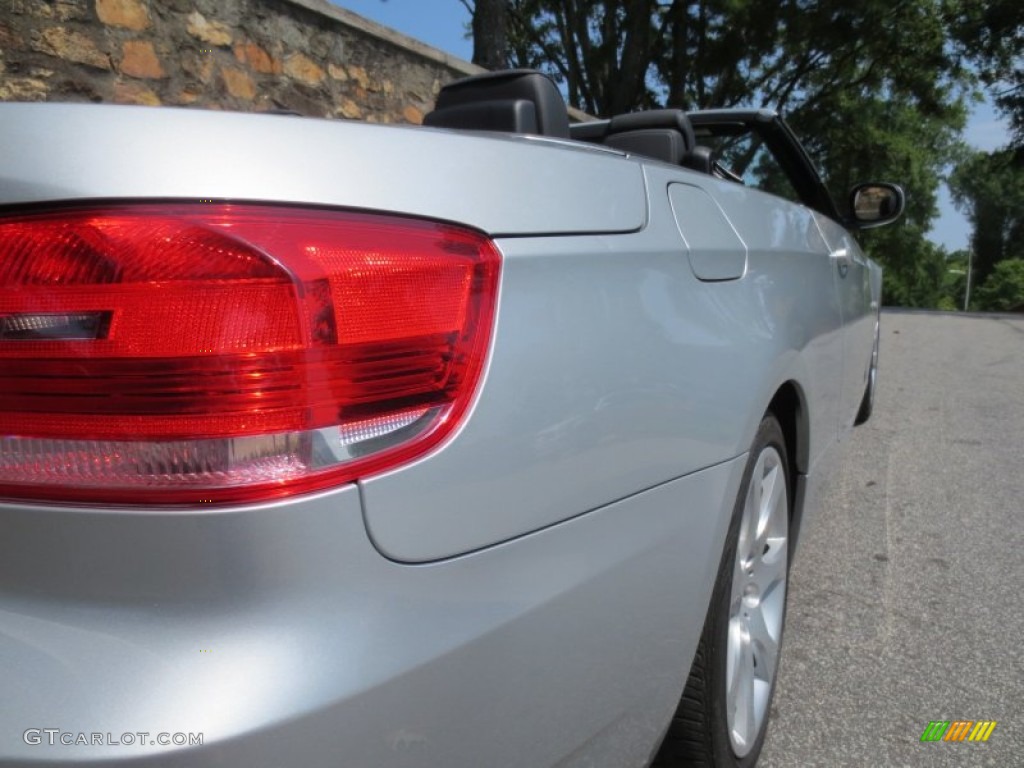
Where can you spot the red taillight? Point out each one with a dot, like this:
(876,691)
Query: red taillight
(196,353)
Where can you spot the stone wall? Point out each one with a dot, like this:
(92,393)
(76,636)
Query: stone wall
(252,55)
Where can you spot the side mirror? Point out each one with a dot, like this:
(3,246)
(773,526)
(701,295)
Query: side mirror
(875,204)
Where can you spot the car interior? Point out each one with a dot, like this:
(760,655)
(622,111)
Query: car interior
(526,101)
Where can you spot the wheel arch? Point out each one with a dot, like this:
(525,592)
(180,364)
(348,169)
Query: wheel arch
(789,406)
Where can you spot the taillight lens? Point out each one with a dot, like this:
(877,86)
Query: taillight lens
(210,353)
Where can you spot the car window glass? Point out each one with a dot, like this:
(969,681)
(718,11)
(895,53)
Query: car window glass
(744,152)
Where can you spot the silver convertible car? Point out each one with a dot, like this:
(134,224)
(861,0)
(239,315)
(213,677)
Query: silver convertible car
(474,445)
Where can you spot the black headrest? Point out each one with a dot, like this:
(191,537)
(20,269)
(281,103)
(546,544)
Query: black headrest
(516,100)
(512,115)
(671,119)
(663,144)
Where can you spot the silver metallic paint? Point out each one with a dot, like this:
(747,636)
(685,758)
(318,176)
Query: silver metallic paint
(615,369)
(859,306)
(715,251)
(591,486)
(326,653)
(500,184)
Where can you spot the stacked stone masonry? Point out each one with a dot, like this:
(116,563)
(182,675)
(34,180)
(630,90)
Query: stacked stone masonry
(249,55)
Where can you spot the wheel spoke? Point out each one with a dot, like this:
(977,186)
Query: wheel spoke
(746,548)
(764,646)
(776,496)
(771,491)
(743,700)
(734,665)
(772,608)
(751,722)
(770,567)
(739,577)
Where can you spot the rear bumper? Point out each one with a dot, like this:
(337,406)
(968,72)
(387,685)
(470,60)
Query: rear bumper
(281,636)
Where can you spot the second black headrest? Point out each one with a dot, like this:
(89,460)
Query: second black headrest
(655,118)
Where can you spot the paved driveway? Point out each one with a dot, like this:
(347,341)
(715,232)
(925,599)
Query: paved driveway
(907,601)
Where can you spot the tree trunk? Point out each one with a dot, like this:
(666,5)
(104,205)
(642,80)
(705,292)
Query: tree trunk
(490,34)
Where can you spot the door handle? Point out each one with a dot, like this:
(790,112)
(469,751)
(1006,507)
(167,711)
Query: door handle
(842,258)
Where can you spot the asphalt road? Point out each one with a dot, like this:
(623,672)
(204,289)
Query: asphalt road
(907,593)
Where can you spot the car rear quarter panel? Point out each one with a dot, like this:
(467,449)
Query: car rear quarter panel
(614,369)
(279,633)
(500,184)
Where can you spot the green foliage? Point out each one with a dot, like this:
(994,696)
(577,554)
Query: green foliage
(915,268)
(954,283)
(991,34)
(602,50)
(989,188)
(892,140)
(1003,290)
(812,56)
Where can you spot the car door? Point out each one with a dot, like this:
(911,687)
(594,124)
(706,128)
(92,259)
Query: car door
(853,286)
(748,148)
(757,148)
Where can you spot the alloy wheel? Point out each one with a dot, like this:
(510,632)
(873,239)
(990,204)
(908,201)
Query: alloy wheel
(757,602)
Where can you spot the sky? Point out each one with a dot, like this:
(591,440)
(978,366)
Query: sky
(443,24)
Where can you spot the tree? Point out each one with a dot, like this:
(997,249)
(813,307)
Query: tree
(619,55)
(989,188)
(991,35)
(601,50)
(954,282)
(892,141)
(1003,290)
(490,33)
(915,268)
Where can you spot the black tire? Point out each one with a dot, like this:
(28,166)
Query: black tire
(867,404)
(699,732)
